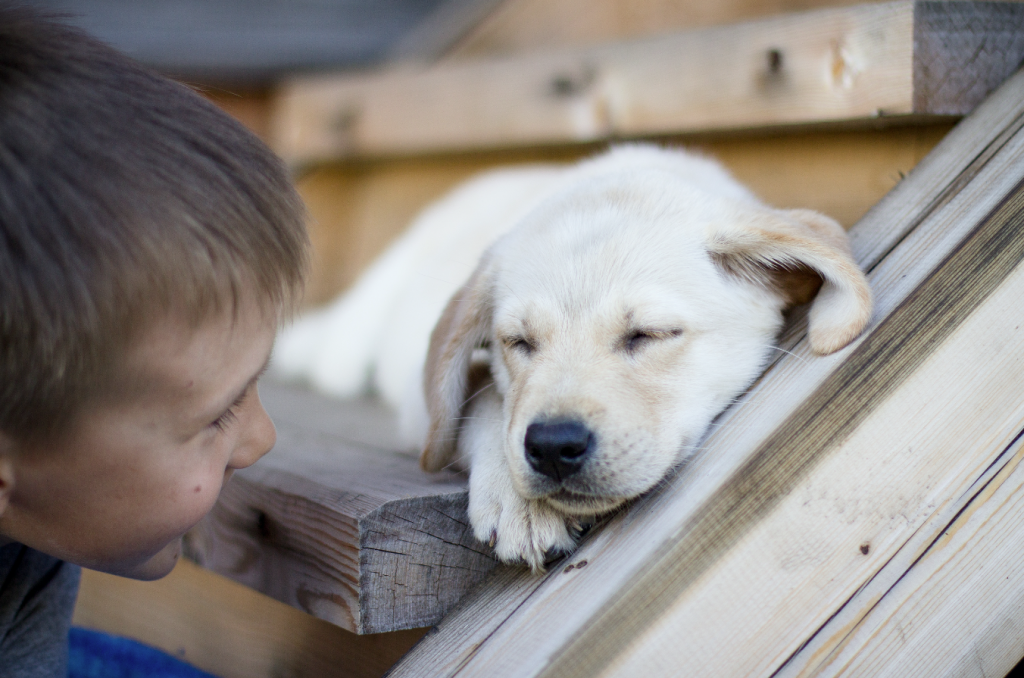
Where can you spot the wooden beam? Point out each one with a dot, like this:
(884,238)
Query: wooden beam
(357,210)
(890,61)
(337,524)
(529,25)
(230,630)
(824,481)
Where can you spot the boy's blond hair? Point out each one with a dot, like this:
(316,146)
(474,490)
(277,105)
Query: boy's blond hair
(123,197)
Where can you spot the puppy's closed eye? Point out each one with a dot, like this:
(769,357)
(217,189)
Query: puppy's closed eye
(520,345)
(638,339)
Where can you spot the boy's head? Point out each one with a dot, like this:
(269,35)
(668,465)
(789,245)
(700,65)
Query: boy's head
(148,247)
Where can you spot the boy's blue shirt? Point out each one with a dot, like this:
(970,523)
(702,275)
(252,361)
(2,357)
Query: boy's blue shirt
(37,598)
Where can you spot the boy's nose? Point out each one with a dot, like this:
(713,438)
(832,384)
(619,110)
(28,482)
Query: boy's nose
(259,436)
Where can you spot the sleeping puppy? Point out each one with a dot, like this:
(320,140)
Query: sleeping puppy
(631,298)
(595,342)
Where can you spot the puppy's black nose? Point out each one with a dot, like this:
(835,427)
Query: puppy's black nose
(557,449)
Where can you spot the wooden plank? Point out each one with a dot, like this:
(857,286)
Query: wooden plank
(357,208)
(336,524)
(829,66)
(230,630)
(682,532)
(952,577)
(525,25)
(963,51)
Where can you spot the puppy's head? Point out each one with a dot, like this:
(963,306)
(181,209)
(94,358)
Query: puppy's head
(620,318)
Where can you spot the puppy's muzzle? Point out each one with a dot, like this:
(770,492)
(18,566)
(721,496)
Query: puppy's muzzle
(557,449)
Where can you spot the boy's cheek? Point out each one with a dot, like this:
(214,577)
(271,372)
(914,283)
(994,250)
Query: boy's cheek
(192,501)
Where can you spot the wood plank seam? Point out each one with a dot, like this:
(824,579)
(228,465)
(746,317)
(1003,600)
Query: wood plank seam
(1007,465)
(1009,457)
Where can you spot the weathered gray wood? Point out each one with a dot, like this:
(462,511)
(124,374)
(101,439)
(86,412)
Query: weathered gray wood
(963,51)
(948,603)
(674,578)
(335,523)
(865,64)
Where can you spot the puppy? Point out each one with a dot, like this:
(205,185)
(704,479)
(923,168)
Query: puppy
(633,298)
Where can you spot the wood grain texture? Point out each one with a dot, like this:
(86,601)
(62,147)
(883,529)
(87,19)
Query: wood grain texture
(529,25)
(230,630)
(601,624)
(337,524)
(840,65)
(952,578)
(963,51)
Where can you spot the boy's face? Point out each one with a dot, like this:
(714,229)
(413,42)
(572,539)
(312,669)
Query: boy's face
(139,468)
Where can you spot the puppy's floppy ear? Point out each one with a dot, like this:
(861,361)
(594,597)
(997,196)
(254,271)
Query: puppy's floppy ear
(463,326)
(799,253)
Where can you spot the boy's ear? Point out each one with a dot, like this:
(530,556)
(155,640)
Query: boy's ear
(6,471)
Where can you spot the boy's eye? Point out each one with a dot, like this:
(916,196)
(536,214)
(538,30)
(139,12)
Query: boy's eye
(223,421)
(230,415)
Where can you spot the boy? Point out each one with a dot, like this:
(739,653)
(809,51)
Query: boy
(149,247)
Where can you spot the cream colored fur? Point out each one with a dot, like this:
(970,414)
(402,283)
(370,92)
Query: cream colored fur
(636,293)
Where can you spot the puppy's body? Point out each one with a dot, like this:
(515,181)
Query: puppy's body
(639,293)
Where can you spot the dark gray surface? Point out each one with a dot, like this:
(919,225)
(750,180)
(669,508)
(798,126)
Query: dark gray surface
(251,40)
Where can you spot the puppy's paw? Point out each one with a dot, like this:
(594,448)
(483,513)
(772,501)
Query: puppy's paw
(519,530)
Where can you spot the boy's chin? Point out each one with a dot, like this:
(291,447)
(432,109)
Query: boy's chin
(155,567)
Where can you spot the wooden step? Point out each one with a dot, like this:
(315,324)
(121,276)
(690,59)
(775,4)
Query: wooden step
(866,64)
(337,523)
